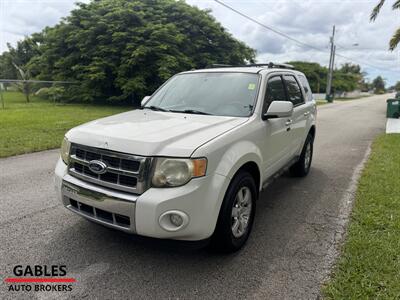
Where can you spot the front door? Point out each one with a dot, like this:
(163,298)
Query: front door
(277,136)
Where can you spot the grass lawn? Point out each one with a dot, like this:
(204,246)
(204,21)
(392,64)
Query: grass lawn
(322,102)
(353,98)
(369,266)
(40,125)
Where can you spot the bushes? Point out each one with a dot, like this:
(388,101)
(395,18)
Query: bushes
(122,50)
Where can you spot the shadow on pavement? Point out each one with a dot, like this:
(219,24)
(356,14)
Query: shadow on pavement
(152,268)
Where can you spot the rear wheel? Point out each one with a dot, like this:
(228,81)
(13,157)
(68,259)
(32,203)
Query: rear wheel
(302,167)
(236,217)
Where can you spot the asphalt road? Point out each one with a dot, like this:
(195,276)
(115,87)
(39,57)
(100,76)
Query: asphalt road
(298,226)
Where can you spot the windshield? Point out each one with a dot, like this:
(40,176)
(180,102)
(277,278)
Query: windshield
(222,94)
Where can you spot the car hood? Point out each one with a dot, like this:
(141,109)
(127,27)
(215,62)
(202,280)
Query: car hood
(153,133)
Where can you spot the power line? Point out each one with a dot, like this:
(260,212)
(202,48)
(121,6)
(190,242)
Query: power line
(269,27)
(366,64)
(296,40)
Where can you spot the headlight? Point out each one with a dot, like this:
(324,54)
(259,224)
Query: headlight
(170,172)
(65,146)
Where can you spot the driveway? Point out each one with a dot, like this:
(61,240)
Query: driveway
(298,225)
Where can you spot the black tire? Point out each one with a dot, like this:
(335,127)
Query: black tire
(302,167)
(223,239)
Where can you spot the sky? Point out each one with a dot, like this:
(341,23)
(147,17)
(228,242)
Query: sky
(309,21)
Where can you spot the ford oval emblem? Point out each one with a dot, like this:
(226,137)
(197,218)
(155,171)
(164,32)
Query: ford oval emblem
(97,166)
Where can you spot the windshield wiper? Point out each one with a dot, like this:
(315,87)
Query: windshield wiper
(156,108)
(191,111)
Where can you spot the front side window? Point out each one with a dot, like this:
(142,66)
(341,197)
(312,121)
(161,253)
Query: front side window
(275,91)
(222,94)
(294,91)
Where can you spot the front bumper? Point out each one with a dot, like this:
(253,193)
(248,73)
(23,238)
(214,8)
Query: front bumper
(106,207)
(200,200)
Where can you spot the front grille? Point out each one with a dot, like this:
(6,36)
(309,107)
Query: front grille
(100,214)
(124,172)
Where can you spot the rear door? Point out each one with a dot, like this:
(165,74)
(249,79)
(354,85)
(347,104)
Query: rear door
(300,112)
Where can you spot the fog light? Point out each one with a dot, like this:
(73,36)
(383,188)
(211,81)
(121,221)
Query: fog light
(176,219)
(173,220)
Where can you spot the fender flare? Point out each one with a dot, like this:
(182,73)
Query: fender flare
(237,156)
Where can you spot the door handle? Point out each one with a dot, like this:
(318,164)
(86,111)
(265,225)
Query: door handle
(306,114)
(288,122)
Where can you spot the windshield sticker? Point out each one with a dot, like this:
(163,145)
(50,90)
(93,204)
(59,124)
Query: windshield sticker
(251,86)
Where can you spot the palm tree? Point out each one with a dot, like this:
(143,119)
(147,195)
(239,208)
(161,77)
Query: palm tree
(396,37)
(24,86)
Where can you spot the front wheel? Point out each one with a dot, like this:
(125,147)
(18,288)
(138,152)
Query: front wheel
(237,214)
(302,167)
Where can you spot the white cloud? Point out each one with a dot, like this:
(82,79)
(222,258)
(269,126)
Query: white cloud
(19,18)
(311,21)
(308,20)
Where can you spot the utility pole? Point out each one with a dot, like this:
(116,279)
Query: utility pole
(328,96)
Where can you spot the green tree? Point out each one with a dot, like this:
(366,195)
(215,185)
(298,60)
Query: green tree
(315,73)
(348,78)
(19,55)
(24,87)
(375,12)
(366,86)
(397,86)
(350,68)
(379,84)
(122,50)
(7,70)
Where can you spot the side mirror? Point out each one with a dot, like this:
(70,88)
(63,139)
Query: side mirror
(144,100)
(278,109)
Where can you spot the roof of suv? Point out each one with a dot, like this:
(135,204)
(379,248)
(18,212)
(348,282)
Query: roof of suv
(229,69)
(253,70)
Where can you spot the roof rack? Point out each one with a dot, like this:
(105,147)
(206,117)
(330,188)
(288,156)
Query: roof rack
(281,66)
(223,66)
(269,65)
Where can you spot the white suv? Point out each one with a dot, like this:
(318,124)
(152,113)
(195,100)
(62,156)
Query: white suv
(190,164)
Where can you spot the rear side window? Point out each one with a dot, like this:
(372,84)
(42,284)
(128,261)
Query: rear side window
(275,91)
(306,87)
(294,92)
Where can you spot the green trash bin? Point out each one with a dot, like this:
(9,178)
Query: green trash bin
(393,108)
(329,98)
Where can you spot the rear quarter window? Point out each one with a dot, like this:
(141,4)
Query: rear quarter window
(306,86)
